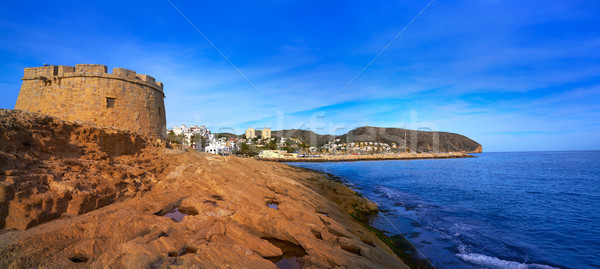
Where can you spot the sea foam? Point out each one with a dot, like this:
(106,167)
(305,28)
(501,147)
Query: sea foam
(493,262)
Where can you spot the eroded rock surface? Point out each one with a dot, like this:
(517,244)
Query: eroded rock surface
(75,195)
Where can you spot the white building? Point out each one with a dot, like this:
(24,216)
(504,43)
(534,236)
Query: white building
(219,146)
(205,138)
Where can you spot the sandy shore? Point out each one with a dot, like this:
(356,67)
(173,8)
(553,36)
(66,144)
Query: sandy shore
(377,157)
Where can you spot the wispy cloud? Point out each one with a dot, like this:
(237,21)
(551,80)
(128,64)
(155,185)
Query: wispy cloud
(510,74)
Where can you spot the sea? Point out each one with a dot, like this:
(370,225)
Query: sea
(497,210)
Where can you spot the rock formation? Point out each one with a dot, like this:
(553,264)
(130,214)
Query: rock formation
(80,195)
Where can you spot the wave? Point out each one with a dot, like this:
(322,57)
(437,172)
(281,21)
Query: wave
(493,262)
(389,193)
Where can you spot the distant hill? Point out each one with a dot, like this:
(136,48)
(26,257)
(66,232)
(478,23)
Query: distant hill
(307,136)
(415,140)
(304,135)
(228,135)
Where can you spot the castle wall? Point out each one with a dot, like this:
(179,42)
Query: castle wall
(86,92)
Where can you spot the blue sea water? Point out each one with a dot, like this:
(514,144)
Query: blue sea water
(498,210)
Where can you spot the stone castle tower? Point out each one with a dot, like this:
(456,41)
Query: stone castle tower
(86,92)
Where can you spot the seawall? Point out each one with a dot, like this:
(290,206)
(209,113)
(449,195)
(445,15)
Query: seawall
(382,157)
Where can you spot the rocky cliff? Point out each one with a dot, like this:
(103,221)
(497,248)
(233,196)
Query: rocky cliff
(77,195)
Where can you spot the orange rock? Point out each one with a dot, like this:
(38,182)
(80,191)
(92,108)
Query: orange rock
(105,206)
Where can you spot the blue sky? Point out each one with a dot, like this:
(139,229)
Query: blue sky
(512,75)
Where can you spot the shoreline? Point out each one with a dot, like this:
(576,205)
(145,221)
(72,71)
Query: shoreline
(399,244)
(102,201)
(387,157)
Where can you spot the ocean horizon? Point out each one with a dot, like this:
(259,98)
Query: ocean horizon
(535,209)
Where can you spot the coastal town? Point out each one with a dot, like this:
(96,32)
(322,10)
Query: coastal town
(262,144)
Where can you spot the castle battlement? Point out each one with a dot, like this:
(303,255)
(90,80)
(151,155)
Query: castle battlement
(87,92)
(53,72)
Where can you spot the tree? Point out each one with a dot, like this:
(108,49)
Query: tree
(247,150)
(272,145)
(204,143)
(195,139)
(174,138)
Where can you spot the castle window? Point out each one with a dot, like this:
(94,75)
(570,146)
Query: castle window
(159,112)
(110,102)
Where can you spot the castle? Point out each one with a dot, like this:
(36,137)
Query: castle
(86,92)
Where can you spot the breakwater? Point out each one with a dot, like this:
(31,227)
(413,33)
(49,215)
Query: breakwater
(370,157)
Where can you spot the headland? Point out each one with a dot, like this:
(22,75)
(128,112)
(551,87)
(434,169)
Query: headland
(79,195)
(91,182)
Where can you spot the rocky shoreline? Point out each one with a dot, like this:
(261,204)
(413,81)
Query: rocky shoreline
(74,195)
(403,248)
(377,157)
